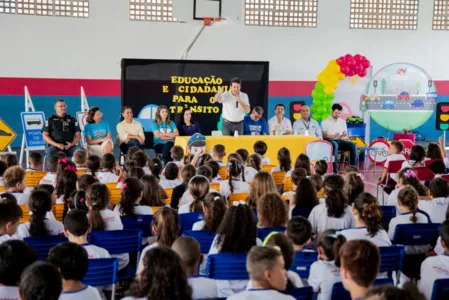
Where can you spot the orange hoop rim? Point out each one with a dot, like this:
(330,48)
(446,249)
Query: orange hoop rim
(208,21)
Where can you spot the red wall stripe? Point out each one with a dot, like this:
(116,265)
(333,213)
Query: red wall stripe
(111,87)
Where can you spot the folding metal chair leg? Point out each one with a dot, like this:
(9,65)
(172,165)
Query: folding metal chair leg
(113,292)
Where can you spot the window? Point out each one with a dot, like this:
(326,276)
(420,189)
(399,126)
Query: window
(384,14)
(65,8)
(284,13)
(151,10)
(440,15)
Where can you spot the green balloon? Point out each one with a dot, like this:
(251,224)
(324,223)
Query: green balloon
(321,110)
(314,92)
(319,86)
(331,96)
(317,102)
(313,109)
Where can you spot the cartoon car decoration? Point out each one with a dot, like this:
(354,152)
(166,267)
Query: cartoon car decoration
(388,105)
(354,120)
(432,96)
(374,98)
(403,96)
(418,103)
(419,136)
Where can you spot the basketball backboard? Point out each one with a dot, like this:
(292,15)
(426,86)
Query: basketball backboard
(190,11)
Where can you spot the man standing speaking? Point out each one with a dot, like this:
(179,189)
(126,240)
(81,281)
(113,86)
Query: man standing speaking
(235,105)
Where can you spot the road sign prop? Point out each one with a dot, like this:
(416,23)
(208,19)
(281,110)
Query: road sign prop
(81,116)
(32,124)
(7,135)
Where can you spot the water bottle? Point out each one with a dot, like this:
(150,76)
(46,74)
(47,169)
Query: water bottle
(236,133)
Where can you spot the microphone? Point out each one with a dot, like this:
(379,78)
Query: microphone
(236,104)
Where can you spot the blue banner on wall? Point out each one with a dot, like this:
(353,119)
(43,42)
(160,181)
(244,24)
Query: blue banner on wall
(32,124)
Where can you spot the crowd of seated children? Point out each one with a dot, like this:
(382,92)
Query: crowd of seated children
(335,212)
(436,206)
(284,161)
(262,184)
(260,147)
(415,158)
(108,173)
(198,188)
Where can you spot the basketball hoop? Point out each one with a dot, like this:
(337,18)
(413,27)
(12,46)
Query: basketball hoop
(208,21)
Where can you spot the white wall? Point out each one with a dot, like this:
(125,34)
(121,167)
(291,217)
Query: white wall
(52,47)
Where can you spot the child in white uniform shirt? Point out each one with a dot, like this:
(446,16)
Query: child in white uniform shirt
(326,271)
(43,277)
(162,267)
(107,174)
(436,207)
(284,160)
(72,261)
(93,165)
(215,167)
(299,231)
(131,195)
(171,176)
(368,219)
(266,269)
(234,185)
(218,153)
(252,167)
(34,162)
(198,187)
(10,215)
(52,165)
(408,202)
(15,256)
(101,218)
(436,267)
(214,208)
(394,153)
(177,154)
(260,147)
(66,184)
(335,213)
(40,205)
(80,158)
(14,179)
(189,251)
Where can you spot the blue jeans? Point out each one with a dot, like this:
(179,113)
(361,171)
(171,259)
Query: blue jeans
(164,149)
(51,150)
(344,146)
(124,147)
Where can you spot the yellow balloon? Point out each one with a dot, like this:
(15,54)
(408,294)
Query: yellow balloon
(337,68)
(328,90)
(334,86)
(332,62)
(341,76)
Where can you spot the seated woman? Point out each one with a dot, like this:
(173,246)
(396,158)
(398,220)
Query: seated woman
(97,133)
(165,132)
(187,126)
(130,131)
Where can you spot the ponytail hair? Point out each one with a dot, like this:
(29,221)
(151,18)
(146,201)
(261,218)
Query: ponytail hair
(408,176)
(215,204)
(130,195)
(408,197)
(78,200)
(254,161)
(354,186)
(39,204)
(198,187)
(369,212)
(156,167)
(336,201)
(93,164)
(66,182)
(165,226)
(285,161)
(330,242)
(97,200)
(235,169)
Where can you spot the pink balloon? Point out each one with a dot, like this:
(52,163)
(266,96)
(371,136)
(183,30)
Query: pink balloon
(351,62)
(345,69)
(358,67)
(348,56)
(362,73)
(341,61)
(366,63)
(351,73)
(358,57)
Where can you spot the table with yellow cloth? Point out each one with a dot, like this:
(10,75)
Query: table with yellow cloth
(295,143)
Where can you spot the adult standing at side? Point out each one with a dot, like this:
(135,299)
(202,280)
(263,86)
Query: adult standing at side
(255,123)
(165,132)
(279,125)
(335,131)
(130,131)
(98,134)
(61,131)
(235,105)
(187,126)
(306,125)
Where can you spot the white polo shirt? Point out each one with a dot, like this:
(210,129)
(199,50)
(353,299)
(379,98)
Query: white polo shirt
(203,288)
(250,172)
(87,292)
(286,125)
(332,126)
(53,227)
(237,185)
(435,208)
(231,112)
(260,294)
(320,221)
(323,274)
(404,218)
(433,268)
(107,177)
(9,292)
(381,238)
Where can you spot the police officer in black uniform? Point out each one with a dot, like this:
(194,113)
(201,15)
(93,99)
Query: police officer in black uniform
(61,131)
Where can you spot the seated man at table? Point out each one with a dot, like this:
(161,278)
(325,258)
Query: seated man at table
(279,125)
(306,125)
(335,131)
(255,123)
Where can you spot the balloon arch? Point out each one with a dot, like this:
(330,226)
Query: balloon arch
(336,70)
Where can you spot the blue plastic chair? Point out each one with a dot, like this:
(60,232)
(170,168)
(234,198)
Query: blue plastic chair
(262,233)
(187,220)
(388,213)
(302,262)
(227,266)
(416,234)
(101,272)
(43,244)
(301,211)
(304,293)
(440,289)
(142,223)
(204,237)
(391,259)
(119,242)
(339,292)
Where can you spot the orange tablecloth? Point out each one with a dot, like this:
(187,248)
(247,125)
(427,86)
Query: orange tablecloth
(295,143)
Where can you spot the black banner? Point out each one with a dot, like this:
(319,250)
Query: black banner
(148,83)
